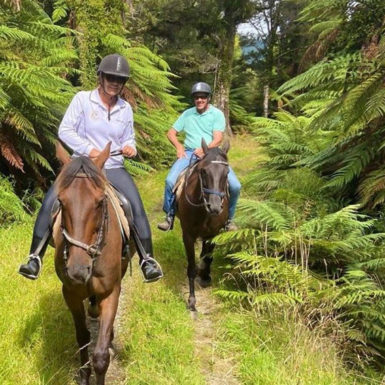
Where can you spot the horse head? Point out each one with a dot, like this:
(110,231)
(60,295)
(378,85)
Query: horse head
(213,169)
(81,192)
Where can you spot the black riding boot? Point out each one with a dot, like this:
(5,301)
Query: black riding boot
(32,268)
(150,267)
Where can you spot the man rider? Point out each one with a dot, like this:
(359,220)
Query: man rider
(202,121)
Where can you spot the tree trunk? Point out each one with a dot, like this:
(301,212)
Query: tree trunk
(224,74)
(266,101)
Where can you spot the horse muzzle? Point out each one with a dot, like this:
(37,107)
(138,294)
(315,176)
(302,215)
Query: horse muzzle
(214,205)
(79,274)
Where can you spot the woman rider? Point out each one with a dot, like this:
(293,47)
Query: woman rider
(93,119)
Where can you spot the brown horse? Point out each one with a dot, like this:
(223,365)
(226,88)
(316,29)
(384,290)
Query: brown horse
(88,258)
(202,209)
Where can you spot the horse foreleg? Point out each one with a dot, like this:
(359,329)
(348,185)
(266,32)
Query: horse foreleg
(101,357)
(205,263)
(191,269)
(83,337)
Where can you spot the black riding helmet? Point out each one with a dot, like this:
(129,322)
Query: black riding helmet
(114,65)
(201,87)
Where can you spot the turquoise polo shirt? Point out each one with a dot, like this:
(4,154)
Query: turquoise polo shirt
(197,126)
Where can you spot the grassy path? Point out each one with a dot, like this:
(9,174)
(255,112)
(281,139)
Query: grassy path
(161,307)
(157,341)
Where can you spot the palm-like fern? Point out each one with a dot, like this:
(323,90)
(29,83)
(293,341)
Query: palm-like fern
(148,91)
(354,116)
(34,60)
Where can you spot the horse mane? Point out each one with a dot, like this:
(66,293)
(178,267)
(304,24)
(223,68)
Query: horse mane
(80,165)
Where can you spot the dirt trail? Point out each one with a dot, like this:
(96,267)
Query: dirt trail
(217,370)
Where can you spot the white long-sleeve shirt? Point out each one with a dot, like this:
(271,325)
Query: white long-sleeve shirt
(85,126)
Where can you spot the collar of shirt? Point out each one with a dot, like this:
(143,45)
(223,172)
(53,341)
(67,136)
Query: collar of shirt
(95,98)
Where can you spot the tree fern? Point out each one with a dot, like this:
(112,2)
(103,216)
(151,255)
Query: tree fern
(34,91)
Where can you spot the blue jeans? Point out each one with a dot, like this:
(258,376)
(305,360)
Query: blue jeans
(182,163)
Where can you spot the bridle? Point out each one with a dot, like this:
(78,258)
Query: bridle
(93,250)
(203,190)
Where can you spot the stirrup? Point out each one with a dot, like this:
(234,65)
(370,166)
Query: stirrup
(38,259)
(157,264)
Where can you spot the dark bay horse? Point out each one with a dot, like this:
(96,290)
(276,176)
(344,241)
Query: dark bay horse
(202,209)
(88,258)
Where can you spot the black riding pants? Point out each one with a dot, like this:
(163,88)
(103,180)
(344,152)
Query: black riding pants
(124,183)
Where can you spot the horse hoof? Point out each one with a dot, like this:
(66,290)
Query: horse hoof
(203,282)
(191,304)
(194,314)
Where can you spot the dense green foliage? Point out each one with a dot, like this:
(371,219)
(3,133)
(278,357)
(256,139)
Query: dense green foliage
(11,209)
(35,57)
(311,240)
(47,53)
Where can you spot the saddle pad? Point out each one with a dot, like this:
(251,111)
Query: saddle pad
(177,190)
(122,219)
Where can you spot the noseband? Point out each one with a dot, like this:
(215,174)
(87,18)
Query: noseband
(93,250)
(204,190)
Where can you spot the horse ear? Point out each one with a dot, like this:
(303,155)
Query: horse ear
(103,156)
(204,146)
(226,147)
(62,154)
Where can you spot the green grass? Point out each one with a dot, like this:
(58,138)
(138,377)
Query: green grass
(38,340)
(281,350)
(36,328)
(158,343)
(159,346)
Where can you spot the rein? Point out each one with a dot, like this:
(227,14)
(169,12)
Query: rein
(93,250)
(203,190)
